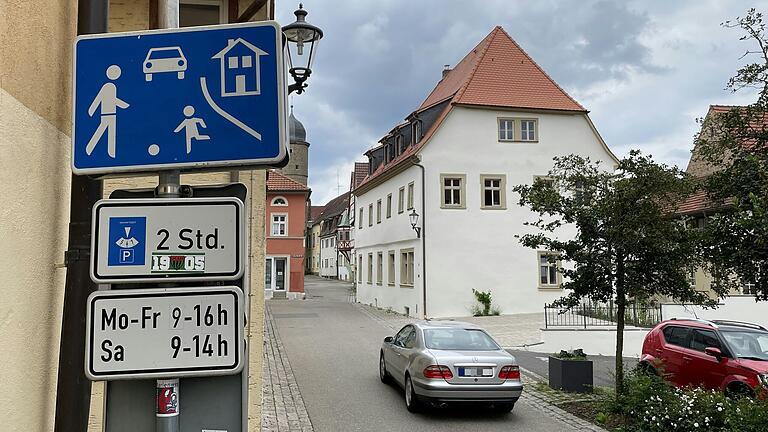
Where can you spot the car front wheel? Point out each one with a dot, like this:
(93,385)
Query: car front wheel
(411,399)
(383,374)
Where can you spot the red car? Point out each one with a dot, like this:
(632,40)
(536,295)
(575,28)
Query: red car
(730,356)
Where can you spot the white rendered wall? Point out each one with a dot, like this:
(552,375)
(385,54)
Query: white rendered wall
(394,233)
(739,308)
(328,253)
(475,248)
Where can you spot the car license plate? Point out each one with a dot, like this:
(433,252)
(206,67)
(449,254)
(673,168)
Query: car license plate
(475,372)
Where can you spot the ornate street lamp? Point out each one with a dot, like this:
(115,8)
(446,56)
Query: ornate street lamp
(414,221)
(300,57)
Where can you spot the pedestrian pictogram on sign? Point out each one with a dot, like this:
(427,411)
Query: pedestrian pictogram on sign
(187,98)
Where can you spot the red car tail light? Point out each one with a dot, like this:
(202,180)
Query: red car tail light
(509,372)
(438,371)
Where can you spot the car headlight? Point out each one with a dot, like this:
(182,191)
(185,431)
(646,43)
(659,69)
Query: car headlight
(763,379)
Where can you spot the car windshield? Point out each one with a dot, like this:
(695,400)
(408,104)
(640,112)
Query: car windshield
(747,344)
(459,339)
(166,53)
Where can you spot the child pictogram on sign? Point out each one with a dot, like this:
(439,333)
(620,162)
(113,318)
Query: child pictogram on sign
(189,125)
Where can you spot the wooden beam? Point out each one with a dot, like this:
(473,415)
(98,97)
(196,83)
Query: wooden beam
(251,10)
(233,11)
(154,12)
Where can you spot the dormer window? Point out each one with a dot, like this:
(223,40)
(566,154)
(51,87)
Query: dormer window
(416,131)
(399,144)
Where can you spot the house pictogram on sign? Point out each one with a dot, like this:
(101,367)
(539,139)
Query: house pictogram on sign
(240,68)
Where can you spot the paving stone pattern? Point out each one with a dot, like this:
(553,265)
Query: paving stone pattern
(282,406)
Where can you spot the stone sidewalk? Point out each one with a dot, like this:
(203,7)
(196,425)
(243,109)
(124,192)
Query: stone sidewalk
(282,407)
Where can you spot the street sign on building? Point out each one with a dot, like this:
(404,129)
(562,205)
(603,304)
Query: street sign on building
(146,240)
(148,333)
(188,98)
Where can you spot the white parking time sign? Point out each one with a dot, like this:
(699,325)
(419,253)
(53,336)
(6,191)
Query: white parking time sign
(164,332)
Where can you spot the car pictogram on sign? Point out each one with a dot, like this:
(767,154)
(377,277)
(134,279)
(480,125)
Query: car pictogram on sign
(165,59)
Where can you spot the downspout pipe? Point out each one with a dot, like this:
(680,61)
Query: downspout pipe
(423,241)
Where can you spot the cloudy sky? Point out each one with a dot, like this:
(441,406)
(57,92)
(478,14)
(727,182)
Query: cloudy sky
(646,70)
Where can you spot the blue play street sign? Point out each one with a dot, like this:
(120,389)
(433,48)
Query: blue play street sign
(189,98)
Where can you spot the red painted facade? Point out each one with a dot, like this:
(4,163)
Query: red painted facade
(285,239)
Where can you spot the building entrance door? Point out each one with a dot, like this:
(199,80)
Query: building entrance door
(275,273)
(280,265)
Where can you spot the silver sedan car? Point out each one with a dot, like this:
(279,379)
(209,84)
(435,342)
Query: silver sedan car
(438,362)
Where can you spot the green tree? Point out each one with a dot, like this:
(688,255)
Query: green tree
(628,244)
(734,144)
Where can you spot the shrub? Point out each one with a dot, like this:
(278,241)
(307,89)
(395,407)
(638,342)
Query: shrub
(484,305)
(651,404)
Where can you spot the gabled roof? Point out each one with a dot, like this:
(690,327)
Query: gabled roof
(314,212)
(278,182)
(498,72)
(231,43)
(334,207)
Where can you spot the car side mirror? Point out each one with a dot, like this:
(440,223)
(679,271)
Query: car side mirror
(714,352)
(388,339)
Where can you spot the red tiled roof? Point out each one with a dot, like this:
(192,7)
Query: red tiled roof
(276,181)
(359,174)
(696,203)
(497,72)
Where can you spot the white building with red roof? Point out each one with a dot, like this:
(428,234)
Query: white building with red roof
(494,121)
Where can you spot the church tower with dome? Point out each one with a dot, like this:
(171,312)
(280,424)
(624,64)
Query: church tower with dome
(298,165)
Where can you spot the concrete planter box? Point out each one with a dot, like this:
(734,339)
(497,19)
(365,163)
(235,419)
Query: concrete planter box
(570,375)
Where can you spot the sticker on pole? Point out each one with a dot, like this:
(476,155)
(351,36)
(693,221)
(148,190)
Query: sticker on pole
(147,333)
(167,239)
(188,98)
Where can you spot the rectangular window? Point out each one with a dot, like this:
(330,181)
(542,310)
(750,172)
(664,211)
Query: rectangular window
(506,129)
(527,130)
(389,206)
(452,190)
(391,267)
(202,12)
(692,279)
(417,131)
(493,191)
(378,211)
(360,268)
(370,215)
(233,62)
(379,268)
(360,224)
(400,199)
(246,61)
(548,277)
(406,267)
(370,268)
(410,195)
(279,224)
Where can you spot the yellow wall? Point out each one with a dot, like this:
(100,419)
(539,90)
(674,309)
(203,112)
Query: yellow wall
(35,57)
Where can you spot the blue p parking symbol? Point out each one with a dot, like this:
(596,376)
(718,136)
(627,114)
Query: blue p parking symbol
(127,239)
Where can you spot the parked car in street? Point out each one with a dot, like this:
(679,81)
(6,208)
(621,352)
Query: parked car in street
(730,356)
(439,362)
